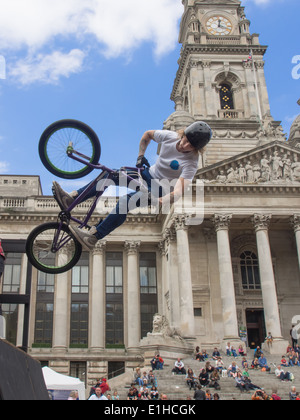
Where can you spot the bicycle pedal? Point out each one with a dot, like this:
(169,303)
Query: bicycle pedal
(65,216)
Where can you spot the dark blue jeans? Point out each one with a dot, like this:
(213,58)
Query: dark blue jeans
(118,216)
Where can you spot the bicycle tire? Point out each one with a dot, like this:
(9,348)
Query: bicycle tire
(53,146)
(39,248)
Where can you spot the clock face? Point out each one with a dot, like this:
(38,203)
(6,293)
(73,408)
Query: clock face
(219,25)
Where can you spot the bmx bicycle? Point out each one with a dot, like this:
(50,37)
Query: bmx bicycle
(70,149)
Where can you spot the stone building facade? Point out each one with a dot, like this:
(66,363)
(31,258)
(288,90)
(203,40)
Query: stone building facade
(231,273)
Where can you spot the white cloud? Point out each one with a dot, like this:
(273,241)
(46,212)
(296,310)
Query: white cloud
(120,26)
(32,23)
(37,29)
(47,68)
(123,25)
(263,2)
(4,167)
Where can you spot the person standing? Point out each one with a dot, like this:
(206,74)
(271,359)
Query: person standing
(98,396)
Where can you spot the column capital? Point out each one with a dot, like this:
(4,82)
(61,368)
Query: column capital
(100,248)
(180,222)
(295,222)
(261,221)
(132,247)
(221,221)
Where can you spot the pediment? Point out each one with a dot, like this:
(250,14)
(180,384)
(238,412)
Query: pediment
(275,163)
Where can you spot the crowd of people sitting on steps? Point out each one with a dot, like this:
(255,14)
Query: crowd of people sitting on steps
(207,383)
(210,376)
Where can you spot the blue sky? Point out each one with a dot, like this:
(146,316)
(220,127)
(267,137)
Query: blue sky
(112,65)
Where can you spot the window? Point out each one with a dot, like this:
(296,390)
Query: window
(198,312)
(226,97)
(79,324)
(115,369)
(147,313)
(45,282)
(80,279)
(148,273)
(250,271)
(12,273)
(114,324)
(114,280)
(10,313)
(148,284)
(44,308)
(114,299)
(80,303)
(78,370)
(43,323)
(114,272)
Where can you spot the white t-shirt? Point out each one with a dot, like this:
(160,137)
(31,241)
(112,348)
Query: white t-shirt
(95,398)
(172,164)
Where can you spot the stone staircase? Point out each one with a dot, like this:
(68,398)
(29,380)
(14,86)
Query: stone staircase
(174,386)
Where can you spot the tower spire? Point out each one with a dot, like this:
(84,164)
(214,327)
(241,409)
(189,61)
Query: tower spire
(215,81)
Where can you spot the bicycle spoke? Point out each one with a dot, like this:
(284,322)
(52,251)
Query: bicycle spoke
(47,245)
(57,149)
(55,143)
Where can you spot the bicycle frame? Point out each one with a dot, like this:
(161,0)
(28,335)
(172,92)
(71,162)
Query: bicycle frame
(79,157)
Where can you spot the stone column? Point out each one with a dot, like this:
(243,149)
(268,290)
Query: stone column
(61,317)
(97,299)
(295,221)
(133,295)
(221,223)
(209,93)
(162,306)
(172,287)
(251,89)
(261,224)
(187,319)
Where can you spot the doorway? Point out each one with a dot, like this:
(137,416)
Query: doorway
(256,329)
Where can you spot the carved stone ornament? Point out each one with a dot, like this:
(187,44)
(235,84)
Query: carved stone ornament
(261,221)
(132,247)
(100,248)
(161,326)
(277,165)
(180,222)
(295,222)
(221,221)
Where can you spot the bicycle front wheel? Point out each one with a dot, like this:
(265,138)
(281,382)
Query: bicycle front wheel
(54,144)
(52,249)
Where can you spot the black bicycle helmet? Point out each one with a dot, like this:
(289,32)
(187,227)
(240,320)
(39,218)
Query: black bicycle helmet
(198,134)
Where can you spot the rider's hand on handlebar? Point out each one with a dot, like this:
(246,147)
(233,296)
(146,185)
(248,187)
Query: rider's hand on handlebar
(142,161)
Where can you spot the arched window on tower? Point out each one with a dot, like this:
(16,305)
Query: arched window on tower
(250,271)
(226,97)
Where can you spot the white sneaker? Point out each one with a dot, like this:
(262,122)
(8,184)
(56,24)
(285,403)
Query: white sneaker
(86,237)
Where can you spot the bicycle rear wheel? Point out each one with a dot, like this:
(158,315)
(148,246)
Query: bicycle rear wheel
(52,249)
(54,144)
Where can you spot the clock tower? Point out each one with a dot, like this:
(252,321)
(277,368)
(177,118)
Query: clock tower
(221,79)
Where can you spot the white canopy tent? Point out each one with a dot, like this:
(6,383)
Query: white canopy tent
(58,382)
